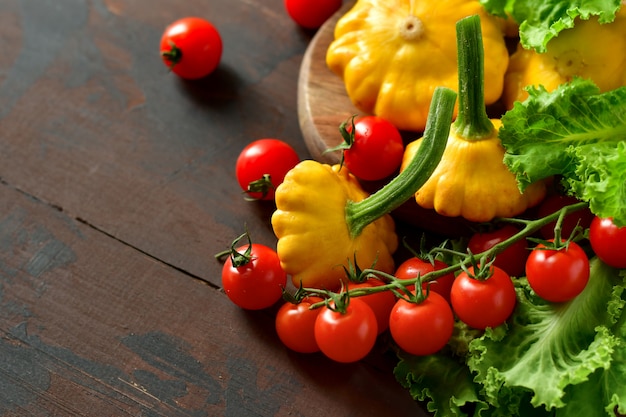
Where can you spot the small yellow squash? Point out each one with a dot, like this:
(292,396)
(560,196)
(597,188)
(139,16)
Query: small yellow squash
(589,50)
(392,54)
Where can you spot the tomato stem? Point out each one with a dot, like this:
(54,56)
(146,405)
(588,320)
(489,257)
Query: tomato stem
(399,286)
(408,182)
(173,56)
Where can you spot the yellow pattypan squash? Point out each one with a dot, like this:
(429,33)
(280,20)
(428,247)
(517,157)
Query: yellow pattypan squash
(589,50)
(325,221)
(471,179)
(392,54)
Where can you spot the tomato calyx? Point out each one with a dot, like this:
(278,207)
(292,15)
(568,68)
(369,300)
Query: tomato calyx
(173,56)
(238,258)
(263,186)
(348,138)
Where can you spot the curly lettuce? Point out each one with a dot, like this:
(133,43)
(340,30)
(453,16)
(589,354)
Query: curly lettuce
(557,360)
(541,20)
(574,132)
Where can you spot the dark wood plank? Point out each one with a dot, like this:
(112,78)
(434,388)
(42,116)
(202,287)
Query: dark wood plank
(89,324)
(93,123)
(117,187)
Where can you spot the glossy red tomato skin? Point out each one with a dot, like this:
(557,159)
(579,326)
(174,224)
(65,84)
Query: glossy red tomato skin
(608,241)
(259,283)
(200,44)
(377,150)
(265,156)
(558,275)
(483,303)
(295,324)
(381,303)
(513,259)
(422,329)
(410,268)
(311,14)
(555,202)
(346,337)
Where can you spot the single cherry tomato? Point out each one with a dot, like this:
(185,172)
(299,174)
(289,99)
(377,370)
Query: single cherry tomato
(346,337)
(557,275)
(381,303)
(556,202)
(295,324)
(608,241)
(422,328)
(257,283)
(375,150)
(262,166)
(512,259)
(413,267)
(482,303)
(191,47)
(311,14)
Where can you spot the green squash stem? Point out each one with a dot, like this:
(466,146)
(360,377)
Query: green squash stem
(405,185)
(472,122)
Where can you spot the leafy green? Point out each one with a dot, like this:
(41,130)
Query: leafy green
(558,360)
(574,132)
(550,347)
(444,384)
(541,20)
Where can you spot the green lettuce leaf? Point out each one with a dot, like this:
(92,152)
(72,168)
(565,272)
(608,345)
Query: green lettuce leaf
(549,349)
(440,381)
(541,20)
(574,132)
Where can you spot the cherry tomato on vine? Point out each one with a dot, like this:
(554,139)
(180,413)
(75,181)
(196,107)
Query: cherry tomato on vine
(257,283)
(410,268)
(423,328)
(295,324)
(375,150)
(346,337)
(311,14)
(381,303)
(608,241)
(557,275)
(482,303)
(512,259)
(191,47)
(555,202)
(262,165)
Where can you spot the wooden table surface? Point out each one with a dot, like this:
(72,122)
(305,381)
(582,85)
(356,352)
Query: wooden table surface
(117,187)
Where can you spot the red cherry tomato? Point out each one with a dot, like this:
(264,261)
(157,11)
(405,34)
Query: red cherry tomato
(191,47)
(424,328)
(555,202)
(410,268)
(311,14)
(346,337)
(262,165)
(512,259)
(482,303)
(608,241)
(381,303)
(257,284)
(295,324)
(376,151)
(557,275)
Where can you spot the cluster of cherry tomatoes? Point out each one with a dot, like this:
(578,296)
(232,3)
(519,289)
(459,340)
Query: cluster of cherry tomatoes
(345,328)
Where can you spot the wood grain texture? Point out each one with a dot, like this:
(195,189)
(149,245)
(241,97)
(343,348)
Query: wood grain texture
(117,187)
(89,326)
(322,100)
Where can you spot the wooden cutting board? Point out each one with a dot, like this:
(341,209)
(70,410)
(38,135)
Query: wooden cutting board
(322,100)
